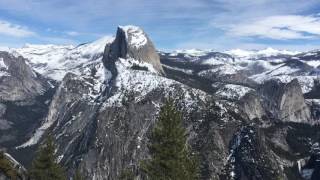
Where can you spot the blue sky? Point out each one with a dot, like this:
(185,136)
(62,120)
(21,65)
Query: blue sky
(171,24)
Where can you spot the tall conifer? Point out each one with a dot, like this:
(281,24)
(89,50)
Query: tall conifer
(171,158)
(45,166)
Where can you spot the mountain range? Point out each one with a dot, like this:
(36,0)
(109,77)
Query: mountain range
(249,114)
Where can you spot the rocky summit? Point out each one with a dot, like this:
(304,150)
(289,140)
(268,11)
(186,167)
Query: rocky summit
(248,114)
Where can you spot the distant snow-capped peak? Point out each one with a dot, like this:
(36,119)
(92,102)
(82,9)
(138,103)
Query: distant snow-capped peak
(268,52)
(272,52)
(54,61)
(238,53)
(191,52)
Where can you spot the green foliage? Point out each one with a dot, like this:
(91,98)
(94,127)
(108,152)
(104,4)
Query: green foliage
(171,158)
(126,174)
(78,175)
(44,166)
(7,167)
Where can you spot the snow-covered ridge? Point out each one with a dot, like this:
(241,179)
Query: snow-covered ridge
(256,65)
(268,52)
(135,36)
(2,48)
(3,68)
(3,65)
(238,53)
(232,91)
(54,61)
(191,52)
(142,82)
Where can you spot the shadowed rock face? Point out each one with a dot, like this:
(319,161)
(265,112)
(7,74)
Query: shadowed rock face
(292,105)
(72,114)
(132,42)
(18,81)
(24,97)
(251,105)
(285,101)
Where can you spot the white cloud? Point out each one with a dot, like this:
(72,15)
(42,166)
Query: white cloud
(9,29)
(279,27)
(56,40)
(73,33)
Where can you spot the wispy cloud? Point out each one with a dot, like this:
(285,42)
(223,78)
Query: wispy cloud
(56,40)
(171,23)
(9,29)
(14,34)
(280,27)
(73,33)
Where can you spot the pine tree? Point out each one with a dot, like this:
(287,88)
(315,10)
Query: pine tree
(126,174)
(171,158)
(7,167)
(44,166)
(78,175)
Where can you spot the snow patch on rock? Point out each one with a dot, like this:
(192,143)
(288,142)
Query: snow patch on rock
(231,91)
(135,36)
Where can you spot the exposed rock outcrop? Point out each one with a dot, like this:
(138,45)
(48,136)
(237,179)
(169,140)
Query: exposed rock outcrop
(24,97)
(18,81)
(292,105)
(132,42)
(285,101)
(73,100)
(251,105)
(250,157)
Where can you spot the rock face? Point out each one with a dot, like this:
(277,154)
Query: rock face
(292,105)
(280,101)
(132,42)
(285,101)
(251,105)
(24,95)
(72,101)
(247,152)
(18,81)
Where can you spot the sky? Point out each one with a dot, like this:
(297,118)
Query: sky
(171,24)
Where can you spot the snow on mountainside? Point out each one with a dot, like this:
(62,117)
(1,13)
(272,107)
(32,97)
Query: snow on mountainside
(259,66)
(110,92)
(141,83)
(134,92)
(262,53)
(3,68)
(54,61)
(137,38)
(68,64)
(191,52)
(239,53)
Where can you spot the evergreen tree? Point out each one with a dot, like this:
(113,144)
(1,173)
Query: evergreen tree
(126,174)
(44,166)
(7,167)
(78,175)
(171,158)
